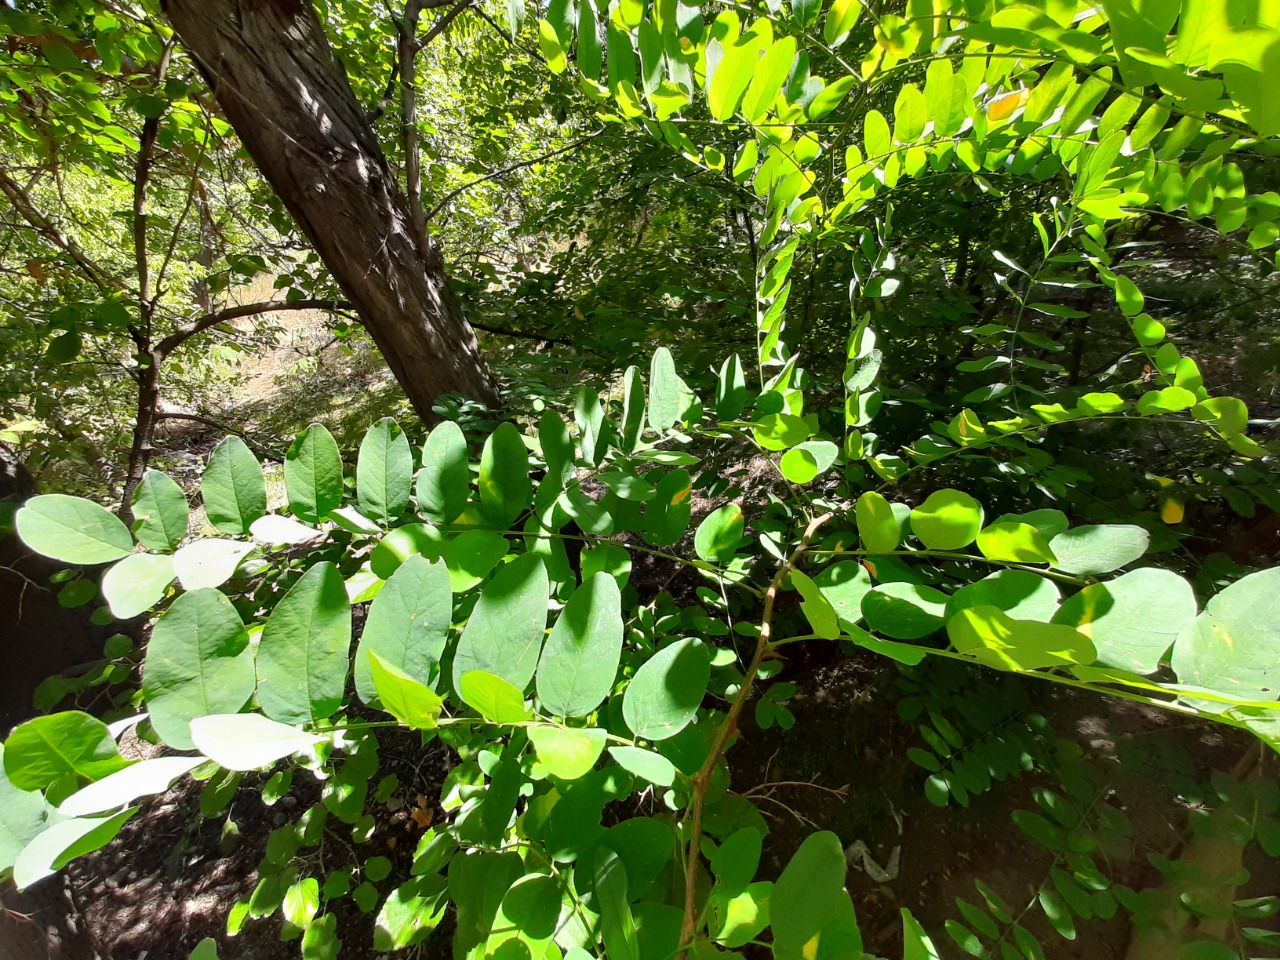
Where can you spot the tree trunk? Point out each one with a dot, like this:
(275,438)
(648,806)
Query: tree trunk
(270,67)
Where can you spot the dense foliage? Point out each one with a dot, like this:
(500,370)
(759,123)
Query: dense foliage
(941,225)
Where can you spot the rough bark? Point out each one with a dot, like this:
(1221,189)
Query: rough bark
(274,75)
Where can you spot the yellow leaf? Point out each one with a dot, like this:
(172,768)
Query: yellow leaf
(1003,107)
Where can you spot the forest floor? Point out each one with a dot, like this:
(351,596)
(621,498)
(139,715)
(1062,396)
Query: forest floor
(172,877)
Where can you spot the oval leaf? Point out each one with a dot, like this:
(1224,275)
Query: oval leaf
(137,583)
(305,649)
(407,625)
(581,655)
(72,529)
(232,487)
(160,512)
(198,662)
(384,471)
(313,475)
(719,534)
(504,635)
(505,490)
(667,690)
(248,741)
(947,520)
(445,478)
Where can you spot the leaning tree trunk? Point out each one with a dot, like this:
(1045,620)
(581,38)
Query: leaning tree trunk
(273,73)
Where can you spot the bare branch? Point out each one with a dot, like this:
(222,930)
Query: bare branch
(227,314)
(505,170)
(442,24)
(18,197)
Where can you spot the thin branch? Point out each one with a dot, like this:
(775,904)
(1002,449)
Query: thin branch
(519,334)
(505,170)
(227,314)
(442,24)
(702,780)
(42,225)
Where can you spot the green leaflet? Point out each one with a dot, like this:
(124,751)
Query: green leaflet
(445,478)
(409,701)
(667,690)
(1020,593)
(904,611)
(589,53)
(1232,646)
(731,387)
(62,842)
(198,663)
(581,656)
(767,79)
(504,634)
(633,409)
(477,885)
(313,474)
(616,923)
(301,901)
(878,526)
(666,516)
(55,752)
(844,584)
(806,461)
(160,512)
(401,543)
(1093,550)
(144,778)
(1014,542)
(809,894)
(557,449)
(720,534)
(947,520)
(407,625)
(232,487)
(384,471)
(247,741)
(841,19)
(664,391)
(209,563)
(607,558)
(137,583)
(993,637)
(505,490)
(778,431)
(492,697)
(22,818)
(567,753)
(410,913)
(529,915)
(645,764)
(916,944)
(736,860)
(471,555)
(72,530)
(816,607)
(1133,619)
(305,649)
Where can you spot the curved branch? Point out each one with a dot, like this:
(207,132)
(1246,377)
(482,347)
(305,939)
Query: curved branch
(227,314)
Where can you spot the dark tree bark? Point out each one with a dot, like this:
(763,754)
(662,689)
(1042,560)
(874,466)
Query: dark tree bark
(275,77)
